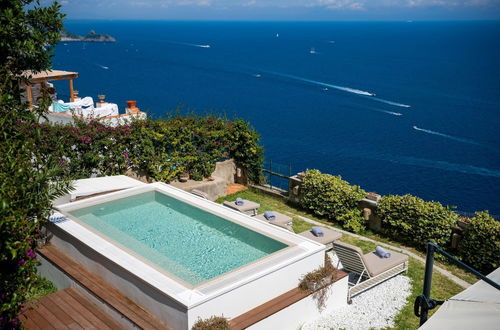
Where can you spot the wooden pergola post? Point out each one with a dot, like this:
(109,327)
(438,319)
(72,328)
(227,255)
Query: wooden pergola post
(71,95)
(29,97)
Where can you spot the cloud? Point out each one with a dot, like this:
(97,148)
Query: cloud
(342,4)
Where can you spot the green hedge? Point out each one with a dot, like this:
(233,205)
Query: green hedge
(159,149)
(480,244)
(412,220)
(330,196)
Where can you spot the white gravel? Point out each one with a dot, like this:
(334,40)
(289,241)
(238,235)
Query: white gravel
(372,309)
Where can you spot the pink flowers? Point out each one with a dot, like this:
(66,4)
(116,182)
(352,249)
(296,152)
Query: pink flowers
(31,254)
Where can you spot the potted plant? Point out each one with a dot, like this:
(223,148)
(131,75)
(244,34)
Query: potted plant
(317,282)
(184,177)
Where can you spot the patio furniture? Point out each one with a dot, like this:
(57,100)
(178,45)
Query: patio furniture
(249,208)
(199,193)
(329,236)
(370,268)
(281,220)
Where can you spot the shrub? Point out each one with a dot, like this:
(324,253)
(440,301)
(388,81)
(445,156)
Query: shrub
(328,195)
(412,220)
(480,244)
(28,182)
(212,323)
(353,221)
(159,149)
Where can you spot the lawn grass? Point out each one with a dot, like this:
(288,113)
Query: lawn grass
(268,202)
(41,287)
(442,287)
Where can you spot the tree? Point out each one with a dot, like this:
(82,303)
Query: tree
(28,183)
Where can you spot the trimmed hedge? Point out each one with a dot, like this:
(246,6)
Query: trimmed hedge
(480,244)
(159,149)
(330,196)
(412,220)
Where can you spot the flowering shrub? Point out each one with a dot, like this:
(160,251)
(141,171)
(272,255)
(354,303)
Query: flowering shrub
(160,149)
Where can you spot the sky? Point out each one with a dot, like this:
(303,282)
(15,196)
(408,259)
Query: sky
(293,10)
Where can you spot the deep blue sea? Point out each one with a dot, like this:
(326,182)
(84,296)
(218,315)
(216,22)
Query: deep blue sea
(395,107)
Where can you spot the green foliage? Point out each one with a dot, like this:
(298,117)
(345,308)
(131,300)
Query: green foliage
(353,221)
(212,323)
(412,220)
(159,149)
(41,287)
(330,196)
(27,183)
(480,244)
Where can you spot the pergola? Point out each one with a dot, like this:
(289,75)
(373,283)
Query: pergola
(51,75)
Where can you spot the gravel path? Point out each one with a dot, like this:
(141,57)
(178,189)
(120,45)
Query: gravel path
(372,309)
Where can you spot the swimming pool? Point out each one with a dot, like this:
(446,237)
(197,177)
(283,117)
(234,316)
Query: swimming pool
(182,257)
(185,241)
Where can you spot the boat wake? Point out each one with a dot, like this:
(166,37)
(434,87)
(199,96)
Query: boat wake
(190,44)
(451,137)
(323,84)
(436,164)
(391,112)
(103,67)
(391,102)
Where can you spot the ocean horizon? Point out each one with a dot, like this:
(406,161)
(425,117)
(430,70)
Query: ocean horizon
(395,107)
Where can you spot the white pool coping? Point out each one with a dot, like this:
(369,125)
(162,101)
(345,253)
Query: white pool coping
(299,247)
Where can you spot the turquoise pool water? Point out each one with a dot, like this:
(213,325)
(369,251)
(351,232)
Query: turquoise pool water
(190,243)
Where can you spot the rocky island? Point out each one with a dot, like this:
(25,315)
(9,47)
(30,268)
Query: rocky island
(92,36)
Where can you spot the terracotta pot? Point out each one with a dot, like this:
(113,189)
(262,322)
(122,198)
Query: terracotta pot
(131,104)
(184,177)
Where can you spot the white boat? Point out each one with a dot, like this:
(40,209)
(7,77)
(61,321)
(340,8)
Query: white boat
(205,46)
(312,51)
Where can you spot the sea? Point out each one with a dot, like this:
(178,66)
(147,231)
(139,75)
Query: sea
(395,107)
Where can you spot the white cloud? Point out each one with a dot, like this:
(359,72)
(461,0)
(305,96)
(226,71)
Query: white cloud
(342,4)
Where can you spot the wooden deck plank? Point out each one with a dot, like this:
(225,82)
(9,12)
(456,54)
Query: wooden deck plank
(99,288)
(28,323)
(72,311)
(83,311)
(273,306)
(99,313)
(37,318)
(60,312)
(49,316)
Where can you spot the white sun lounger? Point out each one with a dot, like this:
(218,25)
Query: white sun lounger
(283,221)
(329,236)
(249,208)
(372,269)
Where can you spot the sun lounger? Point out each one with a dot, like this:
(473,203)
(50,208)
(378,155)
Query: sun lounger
(283,221)
(199,193)
(329,236)
(250,208)
(372,269)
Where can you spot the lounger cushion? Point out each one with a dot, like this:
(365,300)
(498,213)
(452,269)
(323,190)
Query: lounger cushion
(247,206)
(328,237)
(377,265)
(280,218)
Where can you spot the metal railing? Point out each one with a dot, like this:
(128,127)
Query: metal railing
(424,302)
(279,172)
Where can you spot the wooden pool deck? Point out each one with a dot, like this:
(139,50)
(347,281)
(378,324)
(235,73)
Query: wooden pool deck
(108,298)
(66,309)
